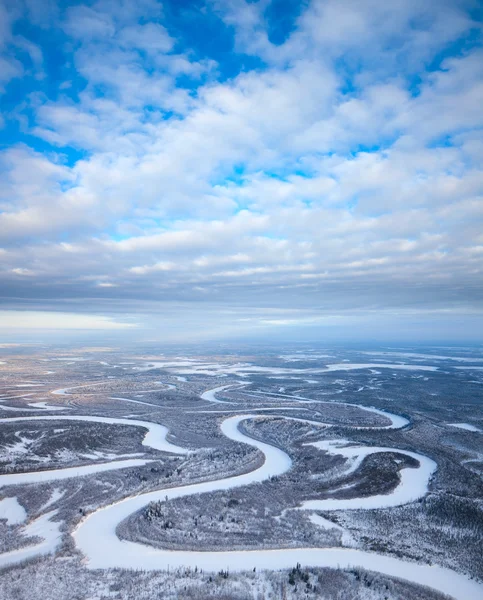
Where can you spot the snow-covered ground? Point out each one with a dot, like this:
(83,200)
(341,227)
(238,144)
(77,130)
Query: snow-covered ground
(154,438)
(12,511)
(28,385)
(43,527)
(465,426)
(346,538)
(413,483)
(135,401)
(46,406)
(395,421)
(56,495)
(417,355)
(199,367)
(66,391)
(396,367)
(4,397)
(301,356)
(96,536)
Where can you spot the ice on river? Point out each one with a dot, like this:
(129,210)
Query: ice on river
(465,426)
(413,482)
(67,473)
(96,535)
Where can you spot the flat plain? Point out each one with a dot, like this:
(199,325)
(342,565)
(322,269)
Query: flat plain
(244,474)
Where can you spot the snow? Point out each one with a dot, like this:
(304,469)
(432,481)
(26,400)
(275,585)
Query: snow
(154,438)
(135,401)
(299,356)
(64,358)
(46,406)
(278,408)
(23,385)
(67,473)
(12,511)
(465,426)
(413,483)
(164,364)
(198,367)
(56,495)
(19,409)
(42,527)
(396,421)
(66,391)
(346,537)
(299,420)
(209,395)
(22,446)
(96,536)
(354,366)
(324,523)
(170,386)
(98,455)
(417,355)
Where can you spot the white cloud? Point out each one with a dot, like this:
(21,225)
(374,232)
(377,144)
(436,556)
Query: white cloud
(21,271)
(157,267)
(33,320)
(324,177)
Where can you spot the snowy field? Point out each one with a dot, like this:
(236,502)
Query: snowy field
(376,454)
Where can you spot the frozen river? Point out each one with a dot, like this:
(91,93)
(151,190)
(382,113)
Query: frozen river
(96,537)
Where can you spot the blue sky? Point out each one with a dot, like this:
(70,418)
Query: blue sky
(212,169)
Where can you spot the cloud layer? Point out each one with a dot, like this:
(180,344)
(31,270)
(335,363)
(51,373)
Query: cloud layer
(321,160)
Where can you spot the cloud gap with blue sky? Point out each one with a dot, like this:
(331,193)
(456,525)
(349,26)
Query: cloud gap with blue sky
(212,169)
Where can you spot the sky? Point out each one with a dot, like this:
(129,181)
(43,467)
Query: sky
(188,170)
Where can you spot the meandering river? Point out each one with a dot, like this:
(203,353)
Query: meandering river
(96,534)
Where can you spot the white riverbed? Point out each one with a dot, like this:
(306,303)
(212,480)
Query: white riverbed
(465,426)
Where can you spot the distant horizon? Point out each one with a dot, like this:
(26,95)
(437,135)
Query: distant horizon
(235,344)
